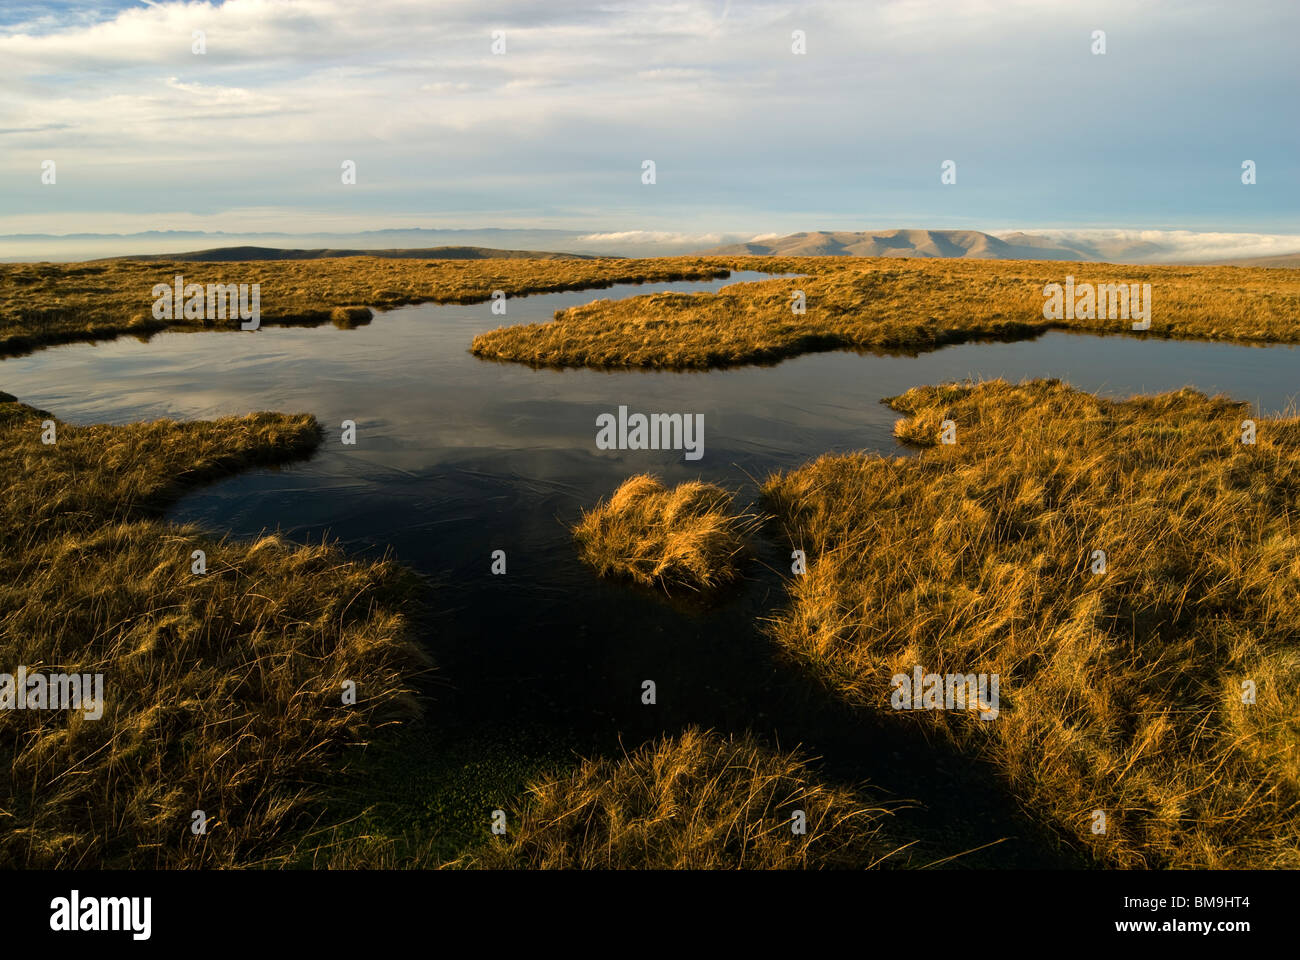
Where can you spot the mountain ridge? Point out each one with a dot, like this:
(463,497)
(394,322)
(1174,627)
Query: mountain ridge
(972,245)
(961,244)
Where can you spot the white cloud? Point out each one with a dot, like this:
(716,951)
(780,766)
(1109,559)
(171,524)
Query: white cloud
(654,236)
(1174,246)
(745,134)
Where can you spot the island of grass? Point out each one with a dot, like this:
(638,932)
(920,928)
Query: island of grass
(688,537)
(1130,570)
(896,305)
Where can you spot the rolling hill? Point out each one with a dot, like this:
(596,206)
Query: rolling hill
(970,244)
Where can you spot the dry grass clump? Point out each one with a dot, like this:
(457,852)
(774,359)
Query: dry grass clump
(222,691)
(349,318)
(697,801)
(688,536)
(46,303)
(889,304)
(1120,691)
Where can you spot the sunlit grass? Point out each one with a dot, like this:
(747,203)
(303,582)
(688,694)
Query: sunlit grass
(1122,691)
(695,801)
(889,304)
(223,690)
(46,303)
(689,536)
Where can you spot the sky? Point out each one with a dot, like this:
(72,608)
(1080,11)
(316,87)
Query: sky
(748,138)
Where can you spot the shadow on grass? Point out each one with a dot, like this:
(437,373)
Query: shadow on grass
(526,703)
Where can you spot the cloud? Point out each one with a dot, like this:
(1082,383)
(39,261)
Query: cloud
(1175,246)
(746,135)
(653,236)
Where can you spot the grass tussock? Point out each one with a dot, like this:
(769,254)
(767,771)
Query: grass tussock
(687,537)
(47,303)
(1121,691)
(889,304)
(222,691)
(696,801)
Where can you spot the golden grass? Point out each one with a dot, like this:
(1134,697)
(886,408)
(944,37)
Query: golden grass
(222,691)
(889,304)
(689,536)
(1120,691)
(45,303)
(697,801)
(852,303)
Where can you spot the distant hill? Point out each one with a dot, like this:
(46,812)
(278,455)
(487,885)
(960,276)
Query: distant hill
(1289,260)
(1098,246)
(970,244)
(232,254)
(1118,249)
(961,244)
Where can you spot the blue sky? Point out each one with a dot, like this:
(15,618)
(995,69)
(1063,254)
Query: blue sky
(748,138)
